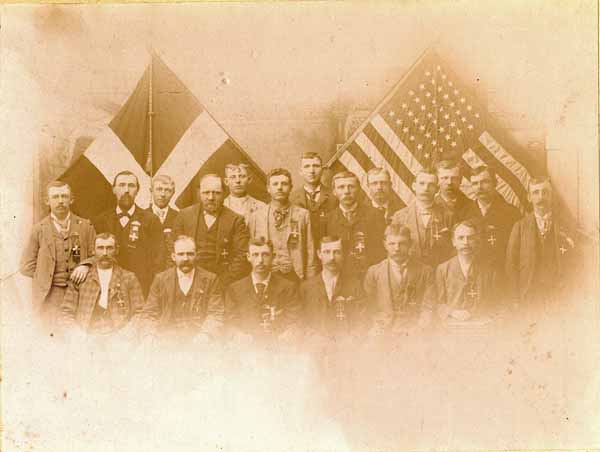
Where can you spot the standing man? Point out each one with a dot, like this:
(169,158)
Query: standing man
(428,222)
(107,300)
(450,197)
(263,305)
(333,303)
(541,255)
(221,235)
(379,184)
(162,190)
(400,289)
(237,179)
(360,226)
(287,227)
(495,215)
(465,285)
(313,195)
(138,232)
(56,246)
(185,301)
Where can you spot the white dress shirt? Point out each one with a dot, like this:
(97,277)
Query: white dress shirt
(484,208)
(160,213)
(256,281)
(330,282)
(313,194)
(104,275)
(209,219)
(62,226)
(238,205)
(465,266)
(543,222)
(185,280)
(125,220)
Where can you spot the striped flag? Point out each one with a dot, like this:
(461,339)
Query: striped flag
(161,129)
(428,116)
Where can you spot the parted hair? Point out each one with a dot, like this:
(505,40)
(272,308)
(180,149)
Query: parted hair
(279,172)
(184,238)
(330,239)
(311,155)
(378,170)
(164,179)
(472,224)
(126,173)
(397,230)
(449,164)
(538,179)
(260,241)
(237,167)
(344,175)
(214,175)
(483,169)
(58,184)
(106,236)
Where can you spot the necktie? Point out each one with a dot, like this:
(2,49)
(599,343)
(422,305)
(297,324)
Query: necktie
(123,214)
(260,290)
(350,214)
(280,215)
(312,196)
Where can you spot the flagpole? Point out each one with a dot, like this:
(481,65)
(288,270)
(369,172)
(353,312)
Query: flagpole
(359,129)
(150,115)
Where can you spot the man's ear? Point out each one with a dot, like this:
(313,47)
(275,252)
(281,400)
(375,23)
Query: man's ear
(46,201)
(248,256)
(319,254)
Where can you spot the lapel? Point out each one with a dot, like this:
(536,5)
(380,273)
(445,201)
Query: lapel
(115,280)
(531,237)
(197,288)
(48,234)
(455,271)
(94,292)
(413,221)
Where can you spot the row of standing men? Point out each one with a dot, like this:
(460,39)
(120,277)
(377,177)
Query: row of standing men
(327,260)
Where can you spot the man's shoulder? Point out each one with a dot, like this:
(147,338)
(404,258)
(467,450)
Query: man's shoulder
(280,283)
(80,220)
(445,266)
(205,274)
(229,218)
(189,211)
(241,284)
(311,282)
(377,268)
(299,211)
(126,275)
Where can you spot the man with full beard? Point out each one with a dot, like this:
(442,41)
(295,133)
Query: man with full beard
(138,232)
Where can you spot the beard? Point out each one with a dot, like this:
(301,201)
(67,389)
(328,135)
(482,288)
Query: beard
(125,201)
(185,266)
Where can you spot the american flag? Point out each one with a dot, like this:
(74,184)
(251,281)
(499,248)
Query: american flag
(428,116)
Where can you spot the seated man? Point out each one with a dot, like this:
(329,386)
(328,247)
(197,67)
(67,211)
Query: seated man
(400,289)
(185,301)
(333,303)
(264,305)
(465,285)
(109,297)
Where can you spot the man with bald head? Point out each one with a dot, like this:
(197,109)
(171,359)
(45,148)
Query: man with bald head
(221,235)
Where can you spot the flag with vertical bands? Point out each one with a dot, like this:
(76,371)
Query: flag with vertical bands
(428,116)
(161,129)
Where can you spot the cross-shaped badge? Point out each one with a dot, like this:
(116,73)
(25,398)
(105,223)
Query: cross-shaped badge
(492,239)
(359,247)
(224,254)
(472,293)
(562,249)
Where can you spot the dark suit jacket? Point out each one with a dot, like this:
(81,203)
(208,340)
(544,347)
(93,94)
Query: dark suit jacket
(207,297)
(368,221)
(496,226)
(419,293)
(522,256)
(168,237)
(393,207)
(319,315)
(318,212)
(441,249)
(232,236)
(144,257)
(460,210)
(243,309)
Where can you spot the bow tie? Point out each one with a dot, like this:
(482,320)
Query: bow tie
(123,214)
(280,215)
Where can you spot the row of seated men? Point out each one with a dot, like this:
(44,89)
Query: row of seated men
(531,256)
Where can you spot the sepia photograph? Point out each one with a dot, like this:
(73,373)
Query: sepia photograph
(300,226)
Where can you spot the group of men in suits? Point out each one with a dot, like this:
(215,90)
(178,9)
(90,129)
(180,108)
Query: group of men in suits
(313,262)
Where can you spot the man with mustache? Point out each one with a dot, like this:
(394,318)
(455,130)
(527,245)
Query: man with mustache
(541,255)
(465,285)
(185,301)
(380,185)
(138,232)
(162,189)
(221,235)
(450,197)
(313,195)
(237,179)
(495,216)
(359,225)
(264,305)
(428,222)
(333,303)
(400,289)
(54,251)
(288,227)
(107,300)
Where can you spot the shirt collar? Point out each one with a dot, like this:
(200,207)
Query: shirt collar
(464,266)
(130,211)
(190,275)
(328,276)
(65,221)
(539,217)
(309,190)
(401,266)
(422,209)
(352,209)
(255,280)
(157,210)
(380,206)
